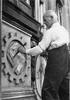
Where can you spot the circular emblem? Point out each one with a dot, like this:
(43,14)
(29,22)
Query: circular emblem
(13,62)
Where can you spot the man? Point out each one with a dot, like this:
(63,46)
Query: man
(54,41)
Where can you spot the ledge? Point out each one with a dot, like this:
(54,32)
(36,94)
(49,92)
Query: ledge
(16,16)
(18,94)
(21,4)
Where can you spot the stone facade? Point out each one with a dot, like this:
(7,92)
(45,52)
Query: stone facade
(18,13)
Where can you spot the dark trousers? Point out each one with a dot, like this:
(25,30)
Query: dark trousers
(64,89)
(56,70)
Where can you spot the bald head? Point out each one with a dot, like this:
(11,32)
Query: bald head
(50,17)
(52,14)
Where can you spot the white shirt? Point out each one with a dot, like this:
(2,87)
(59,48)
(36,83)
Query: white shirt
(54,37)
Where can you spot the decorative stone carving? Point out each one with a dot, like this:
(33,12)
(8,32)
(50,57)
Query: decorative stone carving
(13,60)
(14,64)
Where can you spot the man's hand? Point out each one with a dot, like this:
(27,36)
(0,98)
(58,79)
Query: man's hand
(21,49)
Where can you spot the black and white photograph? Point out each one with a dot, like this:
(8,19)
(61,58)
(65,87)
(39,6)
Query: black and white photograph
(34,49)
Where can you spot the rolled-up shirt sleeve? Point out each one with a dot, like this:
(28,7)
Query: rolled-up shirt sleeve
(34,51)
(43,44)
(46,40)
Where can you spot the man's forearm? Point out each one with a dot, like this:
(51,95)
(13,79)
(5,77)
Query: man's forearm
(34,51)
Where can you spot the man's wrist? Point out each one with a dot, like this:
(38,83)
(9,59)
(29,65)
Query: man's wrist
(27,52)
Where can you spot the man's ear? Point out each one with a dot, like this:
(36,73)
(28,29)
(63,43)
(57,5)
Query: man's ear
(51,17)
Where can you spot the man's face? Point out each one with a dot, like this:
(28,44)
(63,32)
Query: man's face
(47,21)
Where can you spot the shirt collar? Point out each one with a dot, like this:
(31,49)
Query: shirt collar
(55,24)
